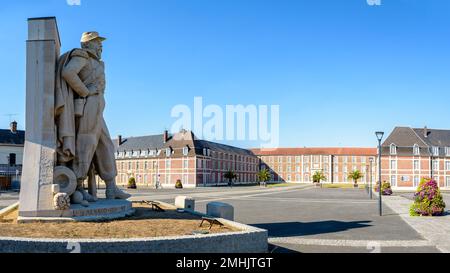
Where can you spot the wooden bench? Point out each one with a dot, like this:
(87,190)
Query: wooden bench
(211,221)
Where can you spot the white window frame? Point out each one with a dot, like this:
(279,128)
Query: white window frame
(391,164)
(393,149)
(435,151)
(416,149)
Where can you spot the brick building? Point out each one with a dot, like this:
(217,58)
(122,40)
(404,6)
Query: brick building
(183,157)
(409,154)
(299,164)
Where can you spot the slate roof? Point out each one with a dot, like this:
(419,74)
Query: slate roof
(406,137)
(435,137)
(9,138)
(186,139)
(140,143)
(218,147)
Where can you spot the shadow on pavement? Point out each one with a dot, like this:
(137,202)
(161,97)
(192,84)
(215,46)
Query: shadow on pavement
(290,229)
(279,249)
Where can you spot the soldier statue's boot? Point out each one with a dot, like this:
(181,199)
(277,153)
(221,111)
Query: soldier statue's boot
(86,195)
(112,192)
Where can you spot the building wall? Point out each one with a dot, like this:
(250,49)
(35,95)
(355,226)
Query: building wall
(402,172)
(193,171)
(5,150)
(301,168)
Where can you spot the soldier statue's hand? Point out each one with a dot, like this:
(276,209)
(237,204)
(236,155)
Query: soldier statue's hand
(92,90)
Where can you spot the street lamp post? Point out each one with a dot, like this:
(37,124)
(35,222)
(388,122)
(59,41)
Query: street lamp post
(370,177)
(380,193)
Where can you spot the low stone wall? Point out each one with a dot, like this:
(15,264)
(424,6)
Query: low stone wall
(249,240)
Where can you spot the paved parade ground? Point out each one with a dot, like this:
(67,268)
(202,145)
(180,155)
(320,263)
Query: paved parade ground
(304,218)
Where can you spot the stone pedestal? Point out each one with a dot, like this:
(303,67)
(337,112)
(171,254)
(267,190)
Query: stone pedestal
(220,210)
(185,202)
(43,50)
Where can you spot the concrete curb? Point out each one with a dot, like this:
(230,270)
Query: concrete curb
(249,240)
(9,209)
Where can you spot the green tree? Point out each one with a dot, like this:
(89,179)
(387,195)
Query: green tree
(230,175)
(355,176)
(264,175)
(319,177)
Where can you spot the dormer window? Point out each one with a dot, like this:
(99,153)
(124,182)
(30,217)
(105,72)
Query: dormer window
(416,149)
(435,151)
(393,149)
(185,151)
(205,151)
(447,151)
(168,152)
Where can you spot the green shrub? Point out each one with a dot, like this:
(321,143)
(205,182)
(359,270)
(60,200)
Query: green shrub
(428,200)
(132,183)
(386,188)
(178,185)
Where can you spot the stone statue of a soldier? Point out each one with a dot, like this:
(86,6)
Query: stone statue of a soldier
(84,143)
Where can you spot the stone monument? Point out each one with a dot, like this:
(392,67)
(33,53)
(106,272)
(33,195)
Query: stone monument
(67,140)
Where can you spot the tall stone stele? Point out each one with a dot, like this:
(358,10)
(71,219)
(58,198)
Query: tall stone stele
(43,51)
(50,187)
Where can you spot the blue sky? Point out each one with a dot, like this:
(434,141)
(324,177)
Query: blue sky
(340,70)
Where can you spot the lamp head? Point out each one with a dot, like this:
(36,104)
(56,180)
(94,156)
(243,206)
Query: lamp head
(379,135)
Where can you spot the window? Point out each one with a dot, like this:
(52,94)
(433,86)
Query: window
(289,168)
(393,181)
(298,169)
(289,159)
(447,181)
(447,165)
(436,165)
(353,159)
(297,178)
(168,152)
(306,159)
(205,152)
(435,151)
(393,164)
(325,159)
(185,151)
(447,151)
(168,164)
(393,149)
(280,159)
(363,159)
(416,181)
(297,159)
(185,163)
(416,165)
(416,149)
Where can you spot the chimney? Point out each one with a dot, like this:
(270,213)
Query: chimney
(425,132)
(119,140)
(166,136)
(13,127)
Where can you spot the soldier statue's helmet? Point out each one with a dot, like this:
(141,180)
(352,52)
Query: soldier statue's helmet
(90,36)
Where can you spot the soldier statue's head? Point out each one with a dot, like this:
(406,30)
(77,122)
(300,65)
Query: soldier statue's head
(93,41)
